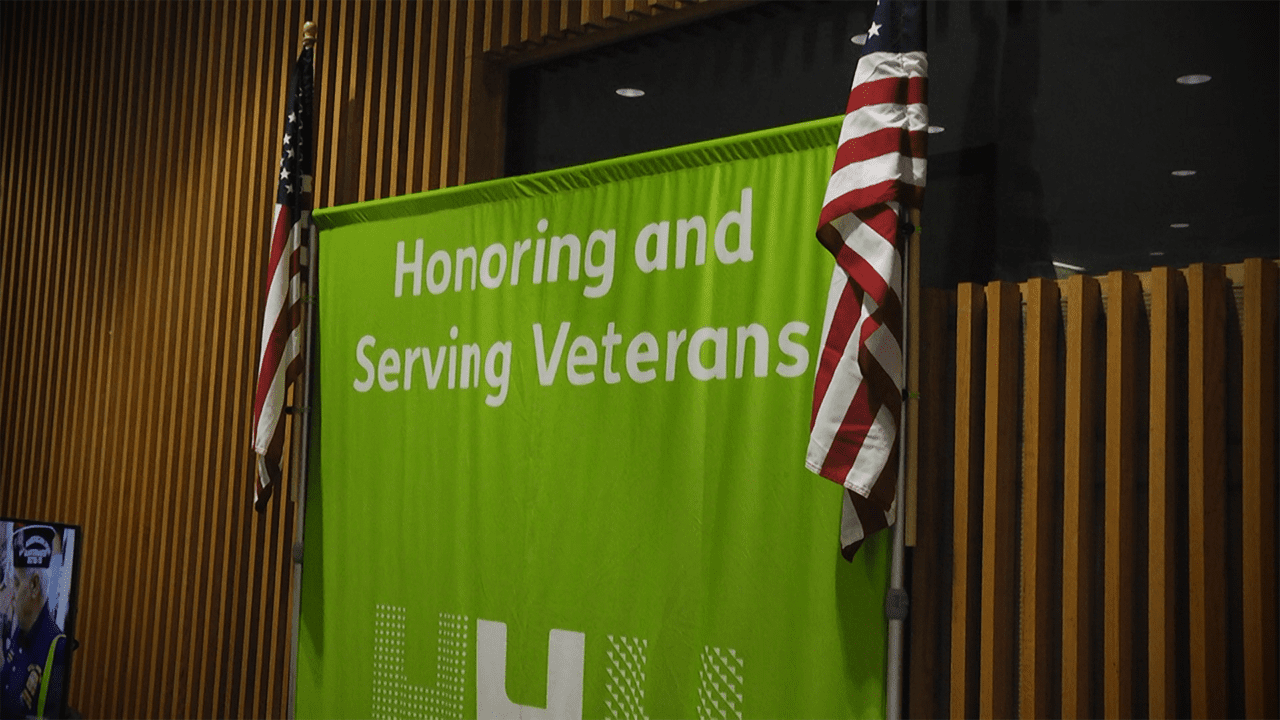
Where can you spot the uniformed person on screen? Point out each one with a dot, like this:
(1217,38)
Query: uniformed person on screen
(34,648)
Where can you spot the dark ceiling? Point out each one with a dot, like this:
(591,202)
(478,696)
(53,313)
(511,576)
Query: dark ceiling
(1062,121)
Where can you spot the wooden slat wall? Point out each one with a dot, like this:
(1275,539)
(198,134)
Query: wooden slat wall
(966,609)
(138,144)
(1145,567)
(998,694)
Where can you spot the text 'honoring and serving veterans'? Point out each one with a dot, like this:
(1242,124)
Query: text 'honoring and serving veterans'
(565,351)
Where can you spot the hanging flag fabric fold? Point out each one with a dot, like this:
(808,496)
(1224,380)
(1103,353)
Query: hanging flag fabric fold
(281,357)
(877,177)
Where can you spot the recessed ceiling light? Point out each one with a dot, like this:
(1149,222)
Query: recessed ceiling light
(1183,173)
(1180,226)
(630,92)
(1157,253)
(859,39)
(935,129)
(1067,266)
(1193,79)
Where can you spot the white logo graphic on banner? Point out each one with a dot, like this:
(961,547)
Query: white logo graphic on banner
(393,695)
(627,660)
(719,691)
(564,675)
(720,694)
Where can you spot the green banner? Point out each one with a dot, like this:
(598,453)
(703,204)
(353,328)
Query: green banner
(561,450)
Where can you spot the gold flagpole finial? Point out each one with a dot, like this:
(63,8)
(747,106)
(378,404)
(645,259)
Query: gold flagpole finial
(309,34)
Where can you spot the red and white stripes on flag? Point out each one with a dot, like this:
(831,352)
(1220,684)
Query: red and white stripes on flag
(281,357)
(879,174)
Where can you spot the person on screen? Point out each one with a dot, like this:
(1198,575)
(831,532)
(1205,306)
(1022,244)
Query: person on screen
(6,583)
(35,648)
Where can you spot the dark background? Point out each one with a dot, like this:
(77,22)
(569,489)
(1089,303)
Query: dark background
(1062,121)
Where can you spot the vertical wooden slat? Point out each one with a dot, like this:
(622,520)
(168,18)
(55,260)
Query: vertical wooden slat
(402,71)
(1079,420)
(248,51)
(23,165)
(189,272)
(530,13)
(971,311)
(65,475)
(449,160)
(432,146)
(329,44)
(193,393)
(60,272)
(70,276)
(1258,490)
(18,154)
(929,584)
(99,127)
(998,685)
(264,145)
(489,32)
(260,138)
(467,45)
(88,299)
(23,219)
(571,17)
(1206,496)
(510,26)
(334,94)
(198,650)
(162,419)
(29,431)
(1038,630)
(615,9)
(412,183)
(97,581)
(138,502)
(593,14)
(383,50)
(1124,297)
(1162,474)
(548,18)
(170,410)
(17,58)
(371,46)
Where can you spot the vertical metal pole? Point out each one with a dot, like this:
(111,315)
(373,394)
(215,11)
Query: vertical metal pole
(896,602)
(302,413)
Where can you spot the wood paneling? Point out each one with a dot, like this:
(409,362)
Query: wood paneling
(1168,296)
(1124,300)
(1258,502)
(138,145)
(1039,616)
(998,663)
(966,610)
(1207,488)
(1146,503)
(1079,420)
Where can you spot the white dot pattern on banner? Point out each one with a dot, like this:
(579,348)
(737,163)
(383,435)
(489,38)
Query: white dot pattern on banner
(394,697)
(626,668)
(720,692)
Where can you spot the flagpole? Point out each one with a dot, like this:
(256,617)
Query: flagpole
(302,421)
(896,604)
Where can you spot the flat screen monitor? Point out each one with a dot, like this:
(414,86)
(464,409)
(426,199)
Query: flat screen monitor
(39,575)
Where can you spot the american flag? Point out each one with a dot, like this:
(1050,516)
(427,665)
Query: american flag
(281,358)
(879,174)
